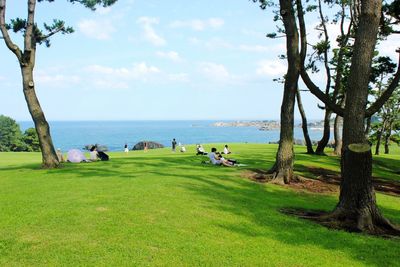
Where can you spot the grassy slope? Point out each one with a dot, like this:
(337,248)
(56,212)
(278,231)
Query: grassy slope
(160,208)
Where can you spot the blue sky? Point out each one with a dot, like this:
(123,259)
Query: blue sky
(154,59)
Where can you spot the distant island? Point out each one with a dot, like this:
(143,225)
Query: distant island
(265,125)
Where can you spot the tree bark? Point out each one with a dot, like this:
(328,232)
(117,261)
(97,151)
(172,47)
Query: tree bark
(49,156)
(327,132)
(283,168)
(337,135)
(304,125)
(26,60)
(378,141)
(357,204)
(387,138)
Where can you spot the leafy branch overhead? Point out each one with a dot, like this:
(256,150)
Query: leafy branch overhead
(40,36)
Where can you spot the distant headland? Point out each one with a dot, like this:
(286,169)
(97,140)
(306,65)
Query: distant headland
(265,125)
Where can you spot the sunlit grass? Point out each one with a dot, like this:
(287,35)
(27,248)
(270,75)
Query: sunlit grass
(168,209)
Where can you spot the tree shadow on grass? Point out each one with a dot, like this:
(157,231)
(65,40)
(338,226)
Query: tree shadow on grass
(261,204)
(222,190)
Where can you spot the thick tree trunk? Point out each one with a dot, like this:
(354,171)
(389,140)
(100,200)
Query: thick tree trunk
(304,126)
(282,171)
(49,156)
(327,132)
(357,206)
(357,209)
(337,135)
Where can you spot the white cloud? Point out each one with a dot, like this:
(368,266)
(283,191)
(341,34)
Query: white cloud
(214,71)
(103,10)
(389,47)
(179,77)
(198,25)
(137,71)
(56,80)
(149,33)
(271,68)
(171,55)
(97,29)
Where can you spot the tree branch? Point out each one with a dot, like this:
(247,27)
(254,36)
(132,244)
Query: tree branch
(303,51)
(29,26)
(386,94)
(7,39)
(44,37)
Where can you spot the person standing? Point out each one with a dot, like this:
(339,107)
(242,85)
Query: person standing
(173,145)
(126,150)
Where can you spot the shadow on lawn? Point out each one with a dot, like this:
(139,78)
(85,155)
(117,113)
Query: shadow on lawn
(260,205)
(224,191)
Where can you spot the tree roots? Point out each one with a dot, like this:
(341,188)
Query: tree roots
(365,221)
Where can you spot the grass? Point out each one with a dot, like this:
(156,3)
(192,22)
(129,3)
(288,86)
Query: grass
(163,208)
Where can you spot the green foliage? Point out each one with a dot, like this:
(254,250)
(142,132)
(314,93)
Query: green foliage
(264,3)
(12,139)
(10,135)
(42,36)
(31,140)
(167,209)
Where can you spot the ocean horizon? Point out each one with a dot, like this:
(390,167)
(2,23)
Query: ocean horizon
(115,134)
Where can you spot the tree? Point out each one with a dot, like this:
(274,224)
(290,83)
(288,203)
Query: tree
(10,135)
(357,208)
(26,57)
(282,170)
(304,124)
(31,140)
(388,119)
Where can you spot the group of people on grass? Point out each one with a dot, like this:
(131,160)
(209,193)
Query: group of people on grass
(216,157)
(76,156)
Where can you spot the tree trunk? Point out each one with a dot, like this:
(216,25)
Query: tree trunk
(367,127)
(387,139)
(357,205)
(49,156)
(304,126)
(357,209)
(337,135)
(378,141)
(283,168)
(327,132)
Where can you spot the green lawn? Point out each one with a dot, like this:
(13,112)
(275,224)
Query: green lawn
(167,209)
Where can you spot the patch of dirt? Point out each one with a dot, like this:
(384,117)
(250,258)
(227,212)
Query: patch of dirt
(326,182)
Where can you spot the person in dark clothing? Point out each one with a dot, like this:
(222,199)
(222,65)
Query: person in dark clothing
(173,145)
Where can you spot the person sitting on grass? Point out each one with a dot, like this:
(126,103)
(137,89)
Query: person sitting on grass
(94,155)
(200,150)
(217,159)
(226,150)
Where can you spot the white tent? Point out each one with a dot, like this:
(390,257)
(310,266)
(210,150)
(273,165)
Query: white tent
(76,156)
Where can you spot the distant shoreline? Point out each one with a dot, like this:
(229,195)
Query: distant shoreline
(266,125)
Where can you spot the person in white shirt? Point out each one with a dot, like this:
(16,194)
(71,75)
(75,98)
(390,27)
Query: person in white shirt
(94,155)
(226,150)
(216,159)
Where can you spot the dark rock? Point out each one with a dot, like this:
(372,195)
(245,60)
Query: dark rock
(150,145)
(99,147)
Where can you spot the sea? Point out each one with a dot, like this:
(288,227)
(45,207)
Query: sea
(115,134)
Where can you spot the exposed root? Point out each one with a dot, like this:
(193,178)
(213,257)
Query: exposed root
(339,219)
